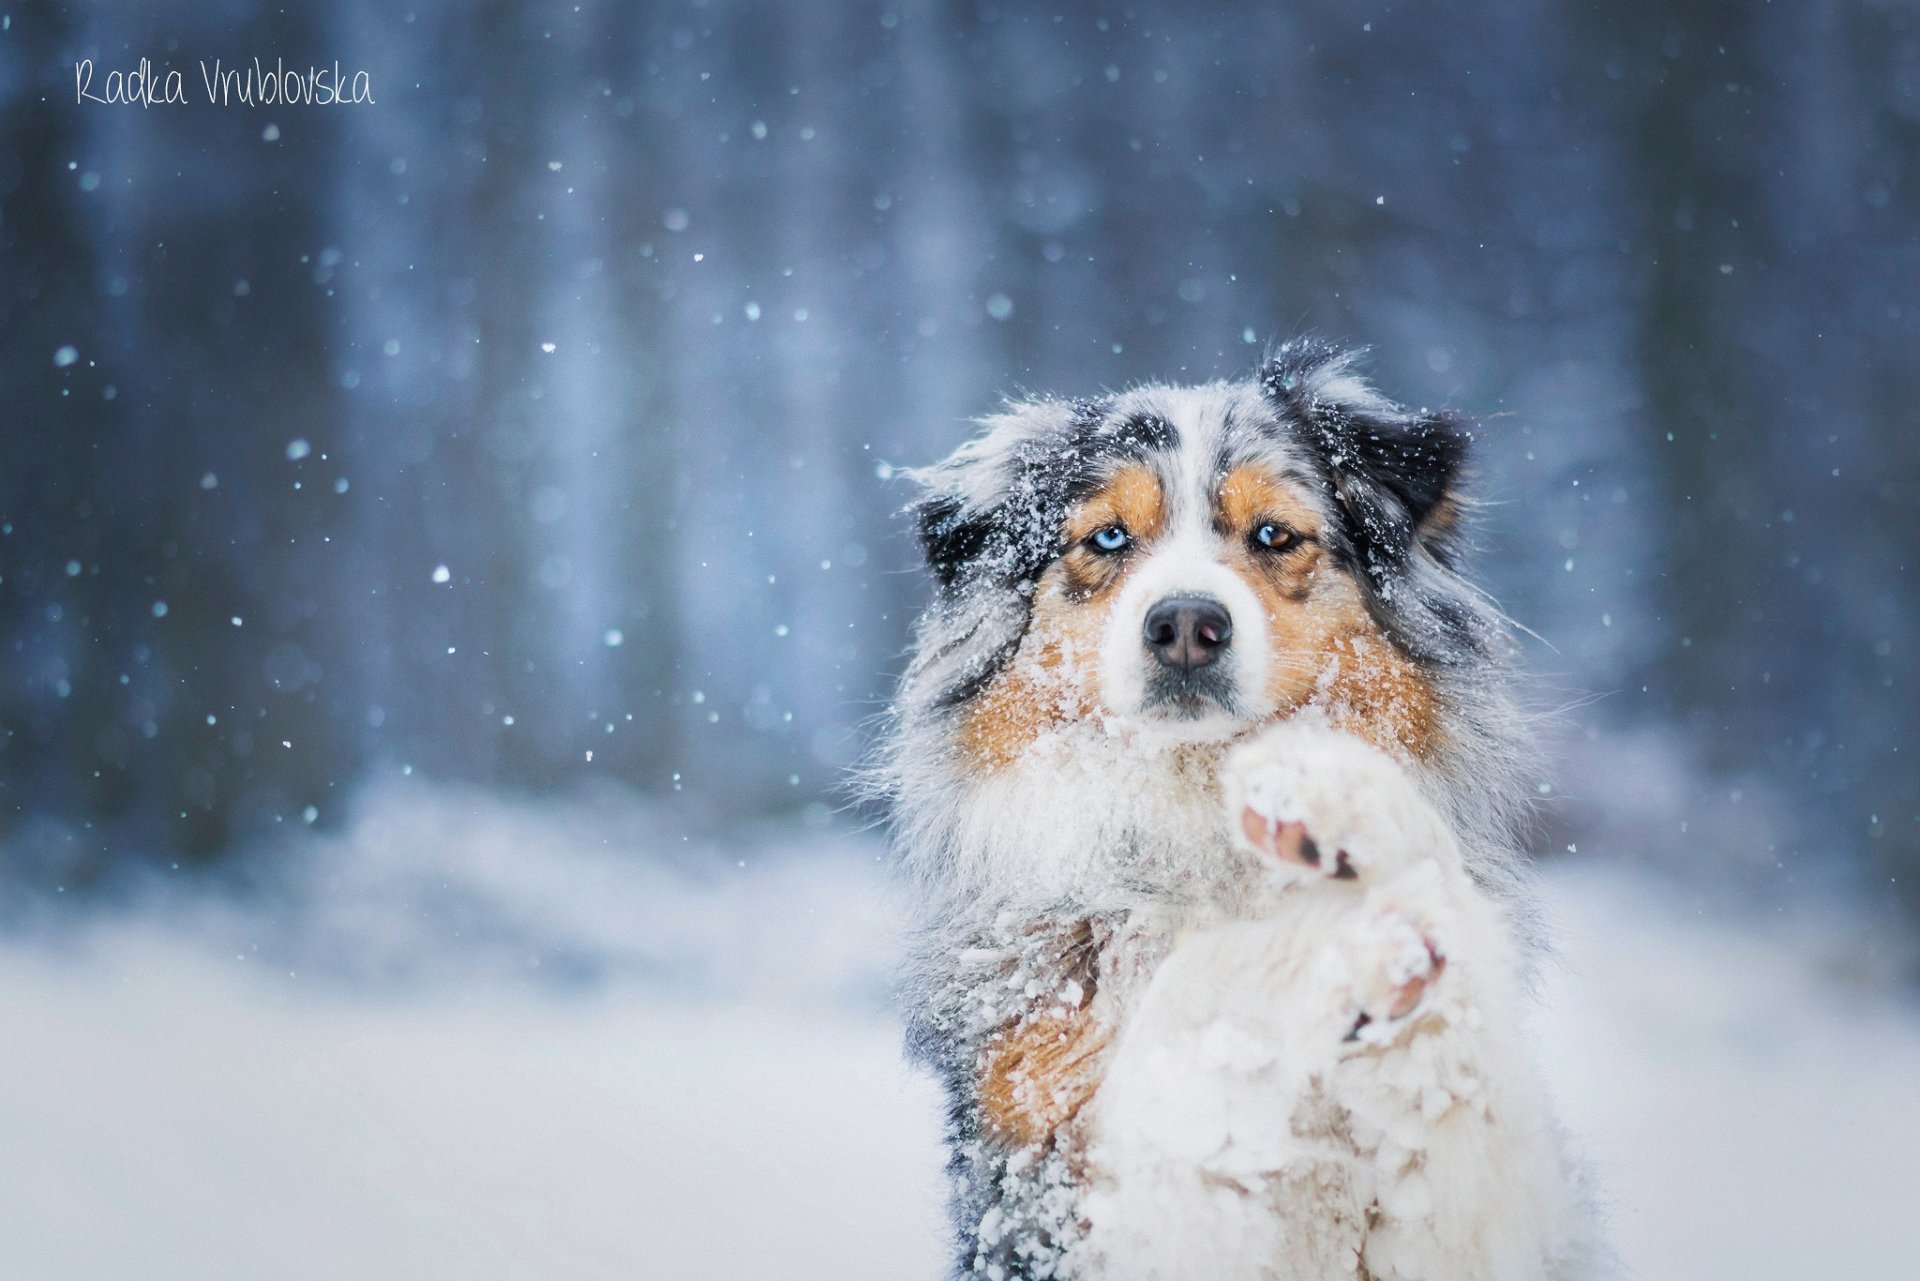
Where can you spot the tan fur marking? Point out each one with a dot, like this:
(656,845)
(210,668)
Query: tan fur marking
(1130,498)
(1049,682)
(1039,1075)
(1382,696)
(1251,495)
(1442,518)
(1325,646)
(1052,678)
(1326,649)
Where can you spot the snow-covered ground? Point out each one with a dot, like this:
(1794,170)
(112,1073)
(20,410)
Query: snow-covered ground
(1748,1090)
(472,1039)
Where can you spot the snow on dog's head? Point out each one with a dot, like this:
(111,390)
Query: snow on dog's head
(1180,564)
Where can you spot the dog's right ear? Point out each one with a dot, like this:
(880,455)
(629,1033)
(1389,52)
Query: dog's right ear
(984,515)
(989,519)
(950,538)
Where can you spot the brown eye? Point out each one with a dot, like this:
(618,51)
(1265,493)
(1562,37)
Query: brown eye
(1110,540)
(1275,537)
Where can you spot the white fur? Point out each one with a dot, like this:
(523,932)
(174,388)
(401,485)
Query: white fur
(1186,564)
(1237,1134)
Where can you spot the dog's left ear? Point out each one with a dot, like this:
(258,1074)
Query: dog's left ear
(1394,470)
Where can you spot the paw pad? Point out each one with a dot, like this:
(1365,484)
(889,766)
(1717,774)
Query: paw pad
(1405,984)
(1290,842)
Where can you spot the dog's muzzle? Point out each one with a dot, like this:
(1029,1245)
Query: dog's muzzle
(1187,636)
(1186,633)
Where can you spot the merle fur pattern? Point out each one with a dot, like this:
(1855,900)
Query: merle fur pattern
(990,521)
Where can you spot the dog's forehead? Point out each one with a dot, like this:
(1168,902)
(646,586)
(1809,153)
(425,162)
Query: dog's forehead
(1202,433)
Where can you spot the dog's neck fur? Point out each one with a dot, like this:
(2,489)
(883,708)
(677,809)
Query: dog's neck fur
(1105,816)
(1092,814)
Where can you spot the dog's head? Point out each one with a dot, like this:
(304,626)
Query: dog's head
(1192,562)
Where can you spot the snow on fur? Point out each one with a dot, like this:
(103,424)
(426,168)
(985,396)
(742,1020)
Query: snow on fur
(1098,877)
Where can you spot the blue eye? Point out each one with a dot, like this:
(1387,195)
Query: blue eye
(1275,537)
(1111,539)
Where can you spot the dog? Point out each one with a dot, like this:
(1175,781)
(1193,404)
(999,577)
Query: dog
(1209,774)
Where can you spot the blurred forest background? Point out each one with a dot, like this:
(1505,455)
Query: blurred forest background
(534,423)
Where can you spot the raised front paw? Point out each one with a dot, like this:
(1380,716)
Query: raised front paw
(1396,960)
(1292,844)
(1310,801)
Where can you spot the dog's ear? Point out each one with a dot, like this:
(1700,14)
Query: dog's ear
(950,538)
(989,520)
(1395,471)
(982,515)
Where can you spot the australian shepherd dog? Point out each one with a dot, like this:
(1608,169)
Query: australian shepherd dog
(1208,773)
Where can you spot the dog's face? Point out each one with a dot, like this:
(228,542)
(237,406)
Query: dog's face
(1189,563)
(1206,588)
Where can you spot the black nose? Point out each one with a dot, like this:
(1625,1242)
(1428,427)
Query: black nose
(1186,632)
